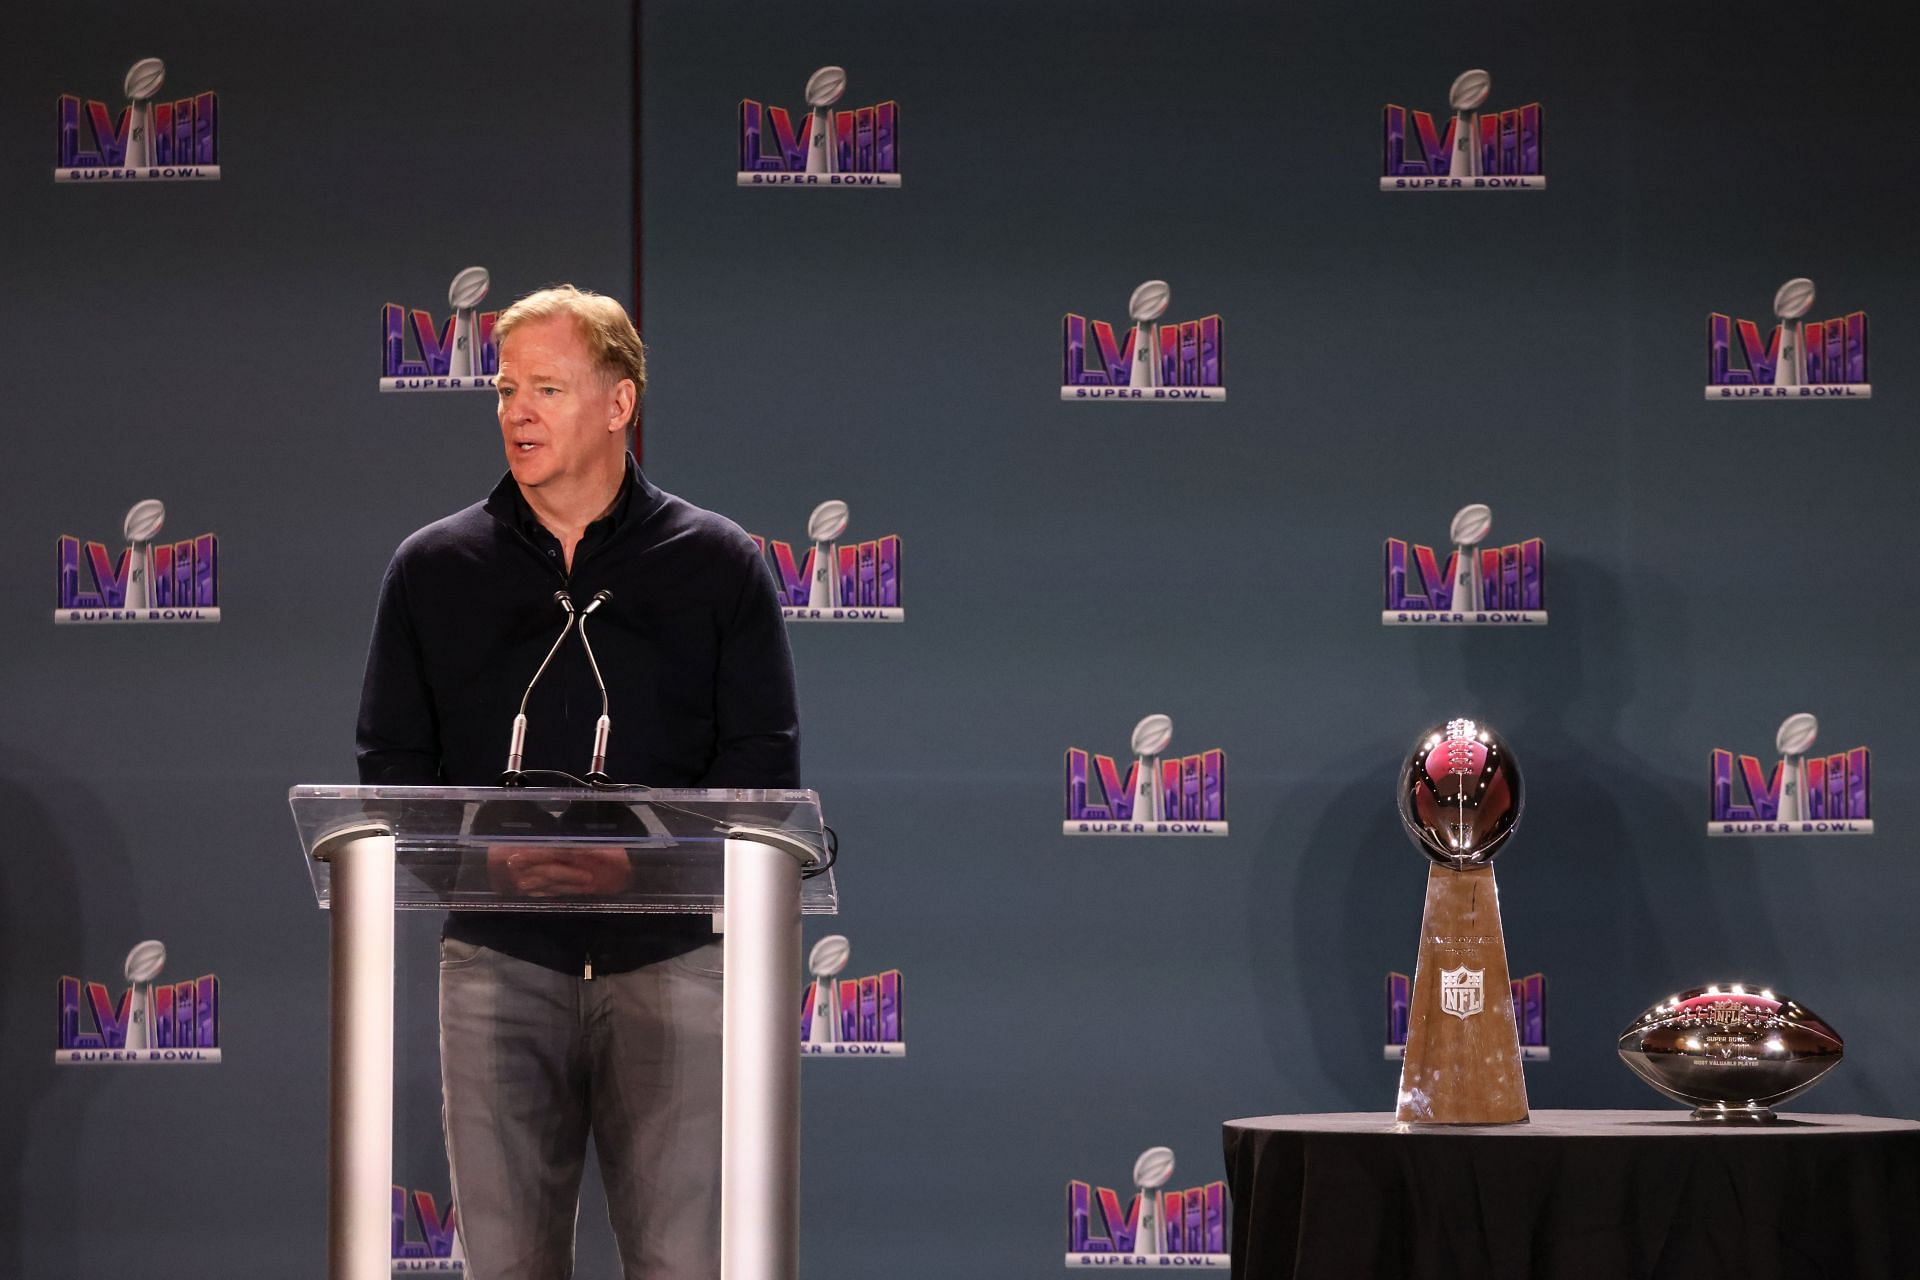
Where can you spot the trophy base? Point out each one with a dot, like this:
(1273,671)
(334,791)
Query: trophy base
(1462,1060)
(141,173)
(1810,391)
(1165,827)
(1475,182)
(1743,1113)
(755,178)
(1801,827)
(439,382)
(1147,395)
(843,613)
(855,1049)
(1463,618)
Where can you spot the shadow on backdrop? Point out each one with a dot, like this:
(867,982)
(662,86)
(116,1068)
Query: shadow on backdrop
(43,935)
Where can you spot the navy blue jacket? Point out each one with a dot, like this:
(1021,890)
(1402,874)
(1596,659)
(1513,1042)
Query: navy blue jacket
(691,645)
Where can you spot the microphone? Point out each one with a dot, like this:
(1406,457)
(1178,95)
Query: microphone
(597,771)
(516,746)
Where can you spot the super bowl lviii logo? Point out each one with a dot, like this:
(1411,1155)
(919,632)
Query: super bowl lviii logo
(150,581)
(1160,796)
(459,355)
(1805,795)
(1158,362)
(152,1022)
(850,1017)
(148,141)
(830,148)
(422,1239)
(1463,994)
(837,582)
(1160,1228)
(1479,586)
(1800,360)
(1480,151)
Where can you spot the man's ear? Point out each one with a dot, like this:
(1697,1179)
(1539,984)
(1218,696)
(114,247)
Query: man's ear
(623,394)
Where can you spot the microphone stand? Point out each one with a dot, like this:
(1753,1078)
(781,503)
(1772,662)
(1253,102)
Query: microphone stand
(597,771)
(513,776)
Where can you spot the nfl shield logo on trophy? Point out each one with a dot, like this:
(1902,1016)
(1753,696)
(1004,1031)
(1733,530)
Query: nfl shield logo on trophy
(1461,991)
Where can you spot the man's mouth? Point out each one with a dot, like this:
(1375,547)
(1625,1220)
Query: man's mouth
(525,446)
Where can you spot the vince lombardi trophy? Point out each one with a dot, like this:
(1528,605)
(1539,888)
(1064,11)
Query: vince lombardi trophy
(1468,531)
(828,521)
(1150,1174)
(1795,736)
(1791,301)
(1150,738)
(142,83)
(144,963)
(142,522)
(1470,89)
(824,88)
(825,961)
(464,295)
(1149,303)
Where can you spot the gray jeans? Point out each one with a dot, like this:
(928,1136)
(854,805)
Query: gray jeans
(532,1060)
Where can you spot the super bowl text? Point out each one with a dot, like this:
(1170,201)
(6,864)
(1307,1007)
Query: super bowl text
(1832,797)
(872,1018)
(423,1241)
(177,1022)
(1192,793)
(1192,1233)
(147,582)
(1422,591)
(148,141)
(1097,365)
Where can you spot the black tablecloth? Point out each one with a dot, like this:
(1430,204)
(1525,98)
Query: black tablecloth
(1611,1195)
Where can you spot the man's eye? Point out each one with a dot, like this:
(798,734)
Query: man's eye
(549,391)
(505,392)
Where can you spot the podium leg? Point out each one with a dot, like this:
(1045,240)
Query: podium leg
(360,1063)
(760,1067)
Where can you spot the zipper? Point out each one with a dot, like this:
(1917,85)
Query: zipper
(587,973)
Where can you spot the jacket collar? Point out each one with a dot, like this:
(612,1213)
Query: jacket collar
(637,500)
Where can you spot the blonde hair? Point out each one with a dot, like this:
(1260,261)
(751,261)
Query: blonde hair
(612,341)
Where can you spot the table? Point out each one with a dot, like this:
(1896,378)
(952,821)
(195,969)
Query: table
(1606,1195)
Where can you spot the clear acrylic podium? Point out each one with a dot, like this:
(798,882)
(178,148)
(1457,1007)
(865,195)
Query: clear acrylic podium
(743,856)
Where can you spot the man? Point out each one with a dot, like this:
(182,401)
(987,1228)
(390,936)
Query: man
(557,1025)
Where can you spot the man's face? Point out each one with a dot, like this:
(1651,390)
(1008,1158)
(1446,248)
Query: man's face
(560,417)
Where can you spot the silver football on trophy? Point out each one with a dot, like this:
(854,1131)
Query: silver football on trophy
(1149,301)
(1796,734)
(143,520)
(1152,734)
(829,955)
(1793,299)
(828,521)
(1153,1168)
(468,288)
(146,960)
(1731,1051)
(1470,525)
(825,86)
(1470,89)
(144,78)
(1460,795)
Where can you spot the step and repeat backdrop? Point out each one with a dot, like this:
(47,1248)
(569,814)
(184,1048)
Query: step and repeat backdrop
(1153,417)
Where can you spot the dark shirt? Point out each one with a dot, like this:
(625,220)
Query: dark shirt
(691,645)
